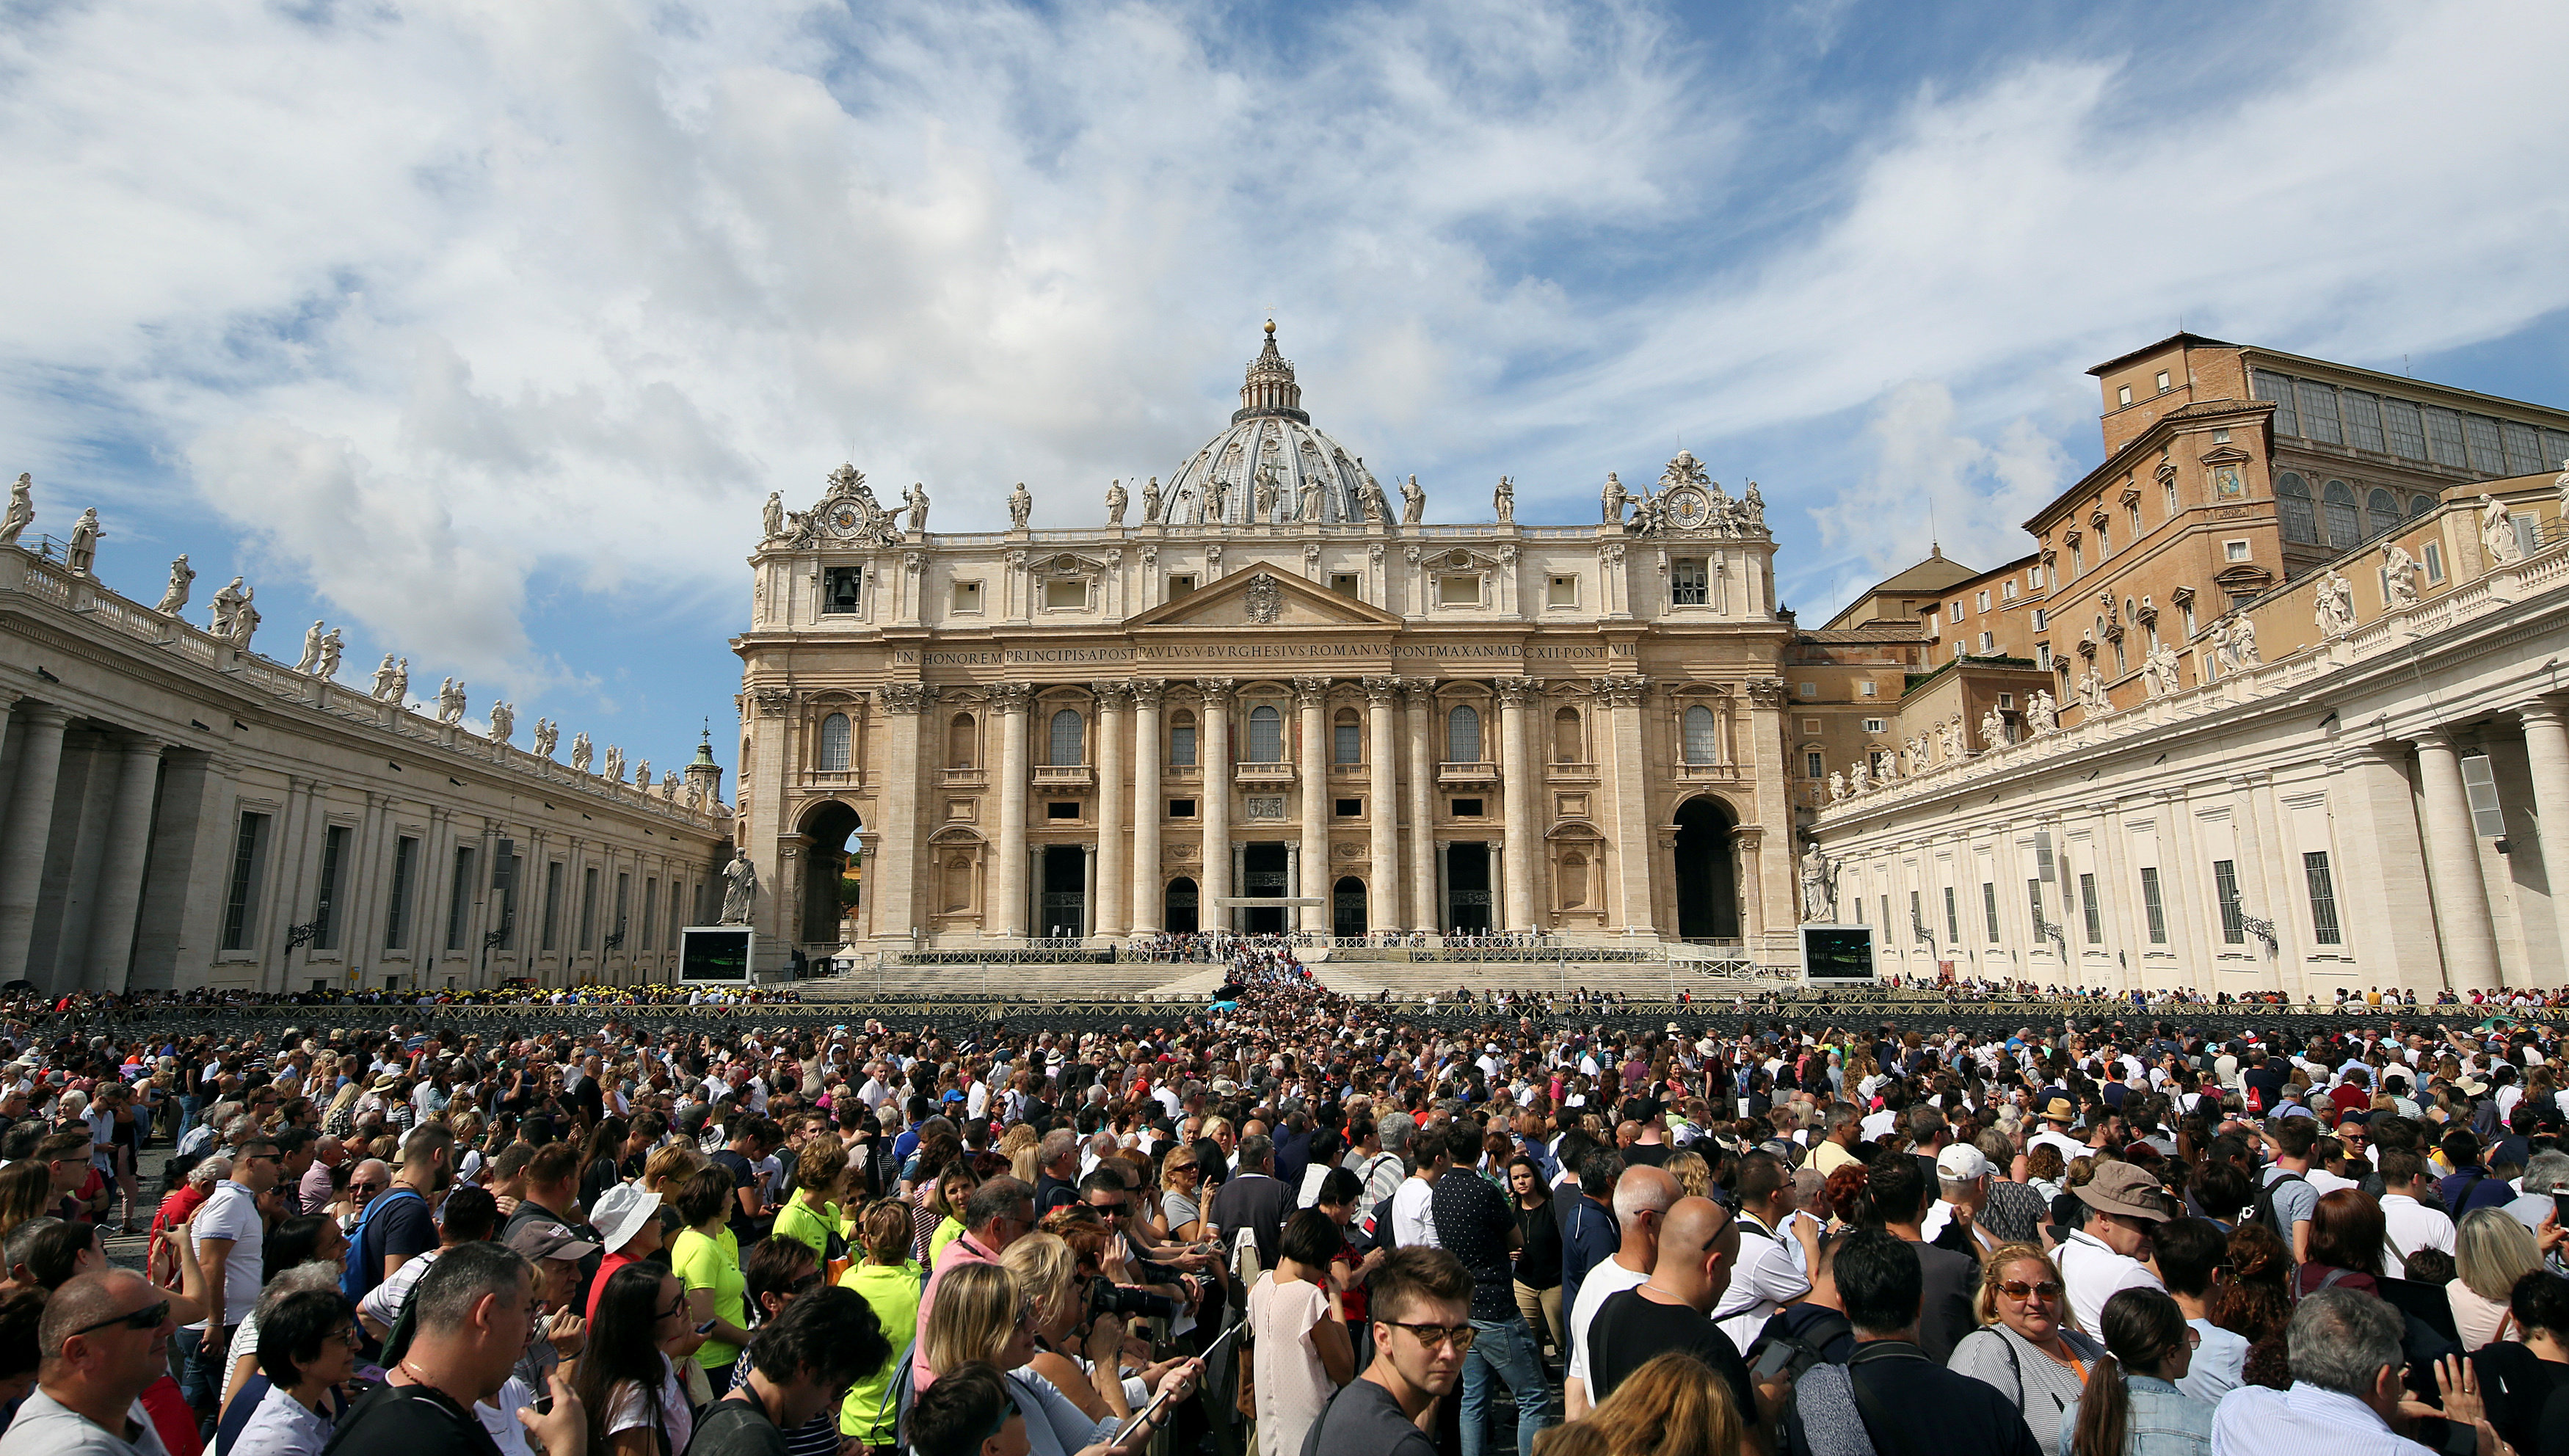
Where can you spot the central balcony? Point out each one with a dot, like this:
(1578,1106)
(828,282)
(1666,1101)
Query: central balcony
(1467,773)
(1278,772)
(1064,776)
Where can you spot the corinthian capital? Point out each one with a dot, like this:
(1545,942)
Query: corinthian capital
(1516,692)
(1310,692)
(1149,692)
(1382,692)
(1620,692)
(1110,692)
(1216,690)
(1011,697)
(906,697)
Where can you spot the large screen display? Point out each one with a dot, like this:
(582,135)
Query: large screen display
(714,955)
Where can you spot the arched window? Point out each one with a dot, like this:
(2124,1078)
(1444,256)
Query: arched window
(958,742)
(1347,738)
(1182,739)
(1463,735)
(834,742)
(1702,739)
(2419,505)
(2381,512)
(1266,735)
(2336,507)
(2293,500)
(1565,737)
(1066,726)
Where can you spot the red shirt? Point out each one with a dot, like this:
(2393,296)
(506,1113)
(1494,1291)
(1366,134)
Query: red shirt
(606,1269)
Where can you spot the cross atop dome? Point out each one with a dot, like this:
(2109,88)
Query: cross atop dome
(1268,391)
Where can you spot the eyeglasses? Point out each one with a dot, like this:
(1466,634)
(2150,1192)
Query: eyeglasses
(1108,1211)
(365,1188)
(2019,1289)
(140,1322)
(1460,1336)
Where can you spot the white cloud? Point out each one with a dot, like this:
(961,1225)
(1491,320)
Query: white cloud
(1931,484)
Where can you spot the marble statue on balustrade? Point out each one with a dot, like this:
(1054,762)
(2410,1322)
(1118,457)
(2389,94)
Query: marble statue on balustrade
(642,773)
(384,691)
(695,795)
(226,603)
(1837,786)
(669,785)
(2242,642)
(916,499)
(1860,778)
(1614,498)
(1953,732)
(2042,714)
(1377,510)
(1819,886)
(2333,605)
(1413,502)
(2560,484)
(583,752)
(740,882)
(80,553)
(548,735)
(1752,508)
(2400,570)
(333,647)
(1116,500)
(1994,730)
(450,701)
(245,620)
(2091,692)
(2217,645)
(1504,500)
(2497,531)
(772,518)
(503,720)
(1021,505)
(612,767)
(1151,501)
(310,661)
(22,509)
(2159,671)
(182,577)
(1307,508)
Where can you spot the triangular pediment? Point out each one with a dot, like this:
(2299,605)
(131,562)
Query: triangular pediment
(1286,602)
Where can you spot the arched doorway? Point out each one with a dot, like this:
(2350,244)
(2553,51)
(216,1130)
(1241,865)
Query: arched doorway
(1708,889)
(1178,909)
(1347,906)
(832,871)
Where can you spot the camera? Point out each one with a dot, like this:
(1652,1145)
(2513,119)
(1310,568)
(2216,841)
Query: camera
(1105,1297)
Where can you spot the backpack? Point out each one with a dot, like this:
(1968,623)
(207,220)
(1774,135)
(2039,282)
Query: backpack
(1807,1342)
(2264,1209)
(360,1258)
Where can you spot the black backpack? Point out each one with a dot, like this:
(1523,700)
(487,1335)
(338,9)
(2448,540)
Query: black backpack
(2264,1209)
(1809,1339)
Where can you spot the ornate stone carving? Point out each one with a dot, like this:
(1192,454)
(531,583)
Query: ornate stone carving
(1149,692)
(1766,692)
(1620,692)
(1410,554)
(1310,692)
(774,701)
(2091,693)
(2400,571)
(2333,605)
(1382,692)
(1860,778)
(1263,601)
(2040,715)
(612,770)
(1519,691)
(847,514)
(739,889)
(450,701)
(1994,730)
(1011,697)
(1021,505)
(1110,692)
(642,773)
(1312,560)
(1819,886)
(1116,501)
(1414,502)
(311,659)
(1151,501)
(583,753)
(392,680)
(1216,691)
(2497,532)
(80,553)
(906,697)
(548,734)
(22,511)
(915,498)
(1614,498)
(181,576)
(1610,556)
(1212,562)
(1504,500)
(2160,671)
(503,720)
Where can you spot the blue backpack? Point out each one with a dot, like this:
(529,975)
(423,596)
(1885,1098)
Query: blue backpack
(361,1259)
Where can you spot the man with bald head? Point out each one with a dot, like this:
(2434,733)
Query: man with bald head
(104,1340)
(1698,1244)
(1643,1198)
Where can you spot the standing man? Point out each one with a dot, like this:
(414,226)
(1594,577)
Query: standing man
(1421,1303)
(229,1234)
(1474,1224)
(397,1225)
(1255,1198)
(2106,1255)
(314,1192)
(1412,1224)
(1642,1196)
(1775,1252)
(472,1316)
(1698,1244)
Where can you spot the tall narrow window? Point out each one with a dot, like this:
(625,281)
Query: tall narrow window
(589,909)
(2293,500)
(2406,431)
(405,885)
(249,867)
(1067,728)
(1990,907)
(458,898)
(1702,738)
(1347,738)
(960,742)
(2225,891)
(2319,413)
(2337,505)
(1266,735)
(2153,906)
(650,911)
(1688,583)
(1463,734)
(835,743)
(2315,872)
(1952,919)
(623,888)
(2087,906)
(553,905)
(1917,917)
(2380,510)
(2034,901)
(325,904)
(677,916)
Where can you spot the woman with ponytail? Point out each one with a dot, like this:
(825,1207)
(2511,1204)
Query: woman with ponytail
(2132,1406)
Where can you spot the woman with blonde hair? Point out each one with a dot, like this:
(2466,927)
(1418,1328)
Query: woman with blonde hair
(1181,1179)
(2491,1251)
(1692,1173)
(889,1282)
(2026,1349)
(1022,1149)
(1086,1372)
(983,1313)
(1674,1406)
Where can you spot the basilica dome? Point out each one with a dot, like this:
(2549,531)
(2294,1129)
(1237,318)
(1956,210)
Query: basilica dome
(1269,449)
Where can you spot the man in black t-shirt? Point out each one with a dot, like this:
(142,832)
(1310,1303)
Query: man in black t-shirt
(1699,1245)
(753,1138)
(1474,1224)
(1420,1303)
(470,1317)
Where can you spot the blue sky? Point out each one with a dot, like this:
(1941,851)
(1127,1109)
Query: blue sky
(482,329)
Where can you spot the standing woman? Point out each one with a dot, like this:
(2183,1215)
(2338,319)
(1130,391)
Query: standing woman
(707,1259)
(2132,1406)
(1299,1344)
(307,1346)
(1179,1180)
(2025,1348)
(1538,1254)
(811,1217)
(636,1404)
(891,1285)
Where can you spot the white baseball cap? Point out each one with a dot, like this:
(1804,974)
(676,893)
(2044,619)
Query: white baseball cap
(1961,1162)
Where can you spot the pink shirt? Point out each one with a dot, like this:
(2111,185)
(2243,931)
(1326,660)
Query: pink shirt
(964,1250)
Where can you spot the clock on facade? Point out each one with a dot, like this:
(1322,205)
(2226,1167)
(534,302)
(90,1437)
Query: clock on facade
(1689,507)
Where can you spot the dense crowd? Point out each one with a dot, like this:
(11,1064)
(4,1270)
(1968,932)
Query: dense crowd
(1289,1221)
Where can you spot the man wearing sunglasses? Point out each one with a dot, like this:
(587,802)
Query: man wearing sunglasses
(105,1338)
(228,1233)
(1421,1302)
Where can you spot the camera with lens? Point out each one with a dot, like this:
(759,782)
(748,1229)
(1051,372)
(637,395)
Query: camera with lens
(1105,1297)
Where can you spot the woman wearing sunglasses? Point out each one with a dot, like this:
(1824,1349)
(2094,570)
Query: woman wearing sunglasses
(2024,1348)
(636,1404)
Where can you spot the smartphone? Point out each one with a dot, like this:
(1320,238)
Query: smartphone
(705,1329)
(1772,1362)
(2560,1207)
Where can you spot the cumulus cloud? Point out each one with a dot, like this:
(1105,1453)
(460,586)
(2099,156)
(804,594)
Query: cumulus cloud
(1932,485)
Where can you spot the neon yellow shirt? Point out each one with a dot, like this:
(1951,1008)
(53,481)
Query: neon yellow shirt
(714,1264)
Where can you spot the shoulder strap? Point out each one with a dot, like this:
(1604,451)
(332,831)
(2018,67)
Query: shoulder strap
(1881,1426)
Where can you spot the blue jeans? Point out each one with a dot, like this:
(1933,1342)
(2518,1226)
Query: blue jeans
(1506,1346)
(188,1107)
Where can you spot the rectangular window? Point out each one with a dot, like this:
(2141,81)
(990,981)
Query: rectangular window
(2154,905)
(1180,585)
(843,590)
(506,886)
(1459,591)
(1688,585)
(2479,786)
(2278,388)
(2319,413)
(1061,808)
(650,911)
(1981,601)
(1182,808)
(1346,743)
(2164,381)
(2315,871)
(325,904)
(2481,435)
(249,867)
(1344,582)
(1954,609)
(2523,447)
(1874,725)
(2444,438)
(553,906)
(589,909)
(1813,767)
(1807,690)
(1347,808)
(404,882)
(2088,907)
(2435,560)
(1467,808)
(1988,643)
(2171,497)
(2034,902)
(2007,589)
(1563,591)
(967,597)
(458,899)
(2234,550)
(2006,700)
(2043,656)
(1885,903)
(677,916)
(2042,620)
(2363,420)
(1917,917)
(1864,689)
(2404,428)
(2122,394)
(1066,594)
(1990,909)
(623,887)
(2225,892)
(1182,745)
(1952,919)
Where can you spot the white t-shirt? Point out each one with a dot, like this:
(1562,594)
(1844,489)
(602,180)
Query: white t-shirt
(1766,1276)
(231,1212)
(382,1303)
(1412,1224)
(626,1410)
(498,1416)
(2091,1274)
(1606,1280)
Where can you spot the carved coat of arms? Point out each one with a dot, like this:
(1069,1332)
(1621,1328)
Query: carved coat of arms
(1265,600)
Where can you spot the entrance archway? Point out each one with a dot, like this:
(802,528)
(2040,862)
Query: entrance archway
(1262,873)
(1347,906)
(1177,907)
(1467,887)
(831,872)
(1065,892)
(1707,889)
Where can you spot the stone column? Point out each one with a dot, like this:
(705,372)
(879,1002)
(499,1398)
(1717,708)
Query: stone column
(31,824)
(120,870)
(894,876)
(1212,750)
(2453,866)
(1006,912)
(2546,752)
(1382,819)
(1148,752)
(1312,696)
(1520,767)
(1423,911)
(1633,829)
(1108,904)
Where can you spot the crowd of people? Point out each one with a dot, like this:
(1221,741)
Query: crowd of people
(1292,1221)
